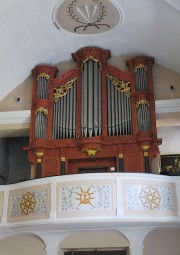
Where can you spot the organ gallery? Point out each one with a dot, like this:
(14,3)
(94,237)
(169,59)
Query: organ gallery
(93,118)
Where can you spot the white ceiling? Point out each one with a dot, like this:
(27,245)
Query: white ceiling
(28,36)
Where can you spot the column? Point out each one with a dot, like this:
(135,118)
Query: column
(136,249)
(39,155)
(52,241)
(63,170)
(136,238)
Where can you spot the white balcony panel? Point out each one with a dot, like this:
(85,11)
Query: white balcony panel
(89,201)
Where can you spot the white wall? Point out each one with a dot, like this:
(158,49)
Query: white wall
(171,140)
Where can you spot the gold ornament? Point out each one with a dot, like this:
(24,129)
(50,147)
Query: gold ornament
(63,90)
(140,66)
(121,86)
(43,75)
(85,196)
(142,102)
(91,58)
(43,110)
(91,152)
(39,155)
(28,203)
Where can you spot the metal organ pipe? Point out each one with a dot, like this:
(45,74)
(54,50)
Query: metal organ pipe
(141,78)
(40,124)
(144,123)
(91,99)
(119,109)
(64,112)
(42,86)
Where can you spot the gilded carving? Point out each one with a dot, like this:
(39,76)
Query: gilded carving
(85,196)
(121,155)
(63,90)
(28,203)
(122,86)
(91,58)
(39,155)
(140,66)
(145,149)
(150,197)
(142,102)
(43,75)
(43,110)
(91,152)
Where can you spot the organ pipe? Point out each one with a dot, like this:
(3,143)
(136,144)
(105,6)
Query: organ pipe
(41,122)
(141,77)
(143,114)
(91,123)
(42,86)
(119,107)
(64,111)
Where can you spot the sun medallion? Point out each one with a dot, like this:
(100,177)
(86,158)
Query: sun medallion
(85,196)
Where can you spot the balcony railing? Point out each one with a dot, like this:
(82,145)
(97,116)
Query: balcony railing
(108,199)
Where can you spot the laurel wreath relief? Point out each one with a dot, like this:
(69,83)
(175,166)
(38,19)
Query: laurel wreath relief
(90,22)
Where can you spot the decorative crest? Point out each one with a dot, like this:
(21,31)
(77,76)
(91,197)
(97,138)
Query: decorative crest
(122,86)
(63,90)
(140,66)
(142,102)
(91,152)
(43,110)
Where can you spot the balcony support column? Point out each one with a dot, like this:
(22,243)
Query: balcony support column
(136,237)
(136,249)
(52,250)
(52,241)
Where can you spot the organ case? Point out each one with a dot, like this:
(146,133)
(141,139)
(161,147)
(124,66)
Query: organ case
(93,118)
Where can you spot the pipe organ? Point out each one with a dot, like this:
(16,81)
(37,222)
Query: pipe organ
(93,118)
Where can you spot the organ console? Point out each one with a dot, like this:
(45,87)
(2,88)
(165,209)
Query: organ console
(94,118)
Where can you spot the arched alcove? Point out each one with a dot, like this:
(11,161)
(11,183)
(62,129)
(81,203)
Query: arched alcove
(94,239)
(162,241)
(22,244)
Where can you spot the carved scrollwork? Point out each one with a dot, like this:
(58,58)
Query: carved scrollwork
(142,102)
(122,86)
(43,110)
(63,90)
(140,66)
(91,58)
(43,75)
(91,152)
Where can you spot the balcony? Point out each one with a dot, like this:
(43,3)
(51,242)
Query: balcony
(91,201)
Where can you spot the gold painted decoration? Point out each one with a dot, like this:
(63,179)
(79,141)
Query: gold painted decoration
(93,59)
(28,203)
(145,149)
(63,159)
(43,75)
(63,90)
(85,196)
(43,110)
(121,155)
(121,86)
(39,155)
(140,66)
(150,197)
(91,152)
(142,102)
